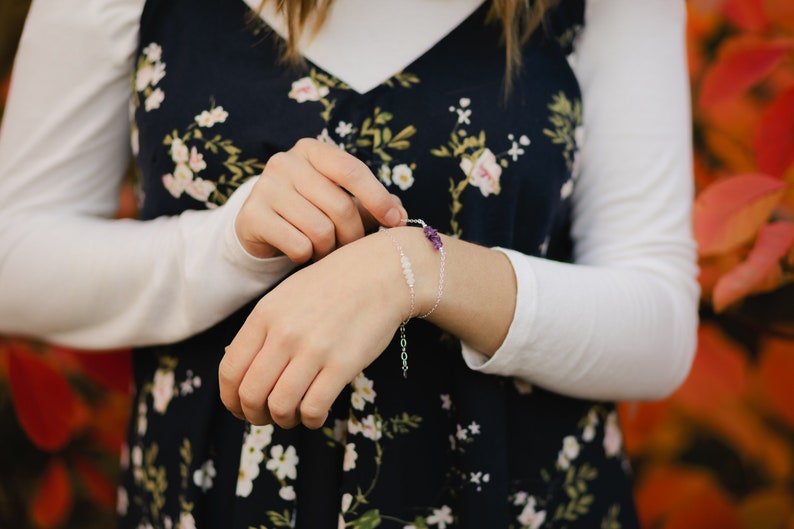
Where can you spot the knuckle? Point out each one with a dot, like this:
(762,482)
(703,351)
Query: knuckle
(344,210)
(313,414)
(281,410)
(300,250)
(304,143)
(276,163)
(250,399)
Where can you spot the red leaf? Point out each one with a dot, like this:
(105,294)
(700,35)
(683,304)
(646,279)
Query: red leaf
(774,141)
(761,271)
(775,373)
(99,486)
(111,369)
(730,212)
(54,498)
(46,406)
(746,14)
(741,62)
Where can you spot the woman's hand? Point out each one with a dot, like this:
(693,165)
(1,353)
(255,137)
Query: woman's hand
(311,200)
(311,335)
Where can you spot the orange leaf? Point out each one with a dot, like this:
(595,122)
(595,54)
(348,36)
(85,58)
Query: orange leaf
(781,12)
(741,62)
(767,508)
(712,508)
(774,141)
(761,272)
(775,375)
(54,498)
(683,498)
(45,404)
(729,151)
(719,373)
(730,212)
(746,14)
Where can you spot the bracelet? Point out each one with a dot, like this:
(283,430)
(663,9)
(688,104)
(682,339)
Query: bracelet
(431,234)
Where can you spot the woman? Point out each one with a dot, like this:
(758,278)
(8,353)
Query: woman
(563,279)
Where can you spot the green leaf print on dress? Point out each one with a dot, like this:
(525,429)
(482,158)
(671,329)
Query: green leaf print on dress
(480,166)
(567,131)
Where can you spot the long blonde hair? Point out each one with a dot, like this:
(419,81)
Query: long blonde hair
(518,19)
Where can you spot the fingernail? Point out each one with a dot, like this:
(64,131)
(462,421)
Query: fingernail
(392,218)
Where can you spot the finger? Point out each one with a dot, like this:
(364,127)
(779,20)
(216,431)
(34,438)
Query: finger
(285,398)
(306,219)
(324,390)
(237,359)
(257,385)
(329,218)
(267,229)
(352,174)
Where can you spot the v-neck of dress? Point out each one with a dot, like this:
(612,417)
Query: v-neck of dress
(366,42)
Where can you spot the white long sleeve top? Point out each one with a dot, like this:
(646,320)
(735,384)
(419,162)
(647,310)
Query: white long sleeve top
(619,323)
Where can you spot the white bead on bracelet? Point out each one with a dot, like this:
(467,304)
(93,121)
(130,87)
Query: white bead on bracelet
(435,239)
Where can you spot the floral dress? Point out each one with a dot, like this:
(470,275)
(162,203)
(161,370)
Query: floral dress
(447,448)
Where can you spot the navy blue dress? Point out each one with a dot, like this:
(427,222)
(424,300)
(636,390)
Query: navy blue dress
(448,447)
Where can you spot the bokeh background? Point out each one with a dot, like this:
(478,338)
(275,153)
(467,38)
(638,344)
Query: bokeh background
(719,453)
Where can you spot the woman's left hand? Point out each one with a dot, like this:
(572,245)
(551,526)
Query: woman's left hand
(311,335)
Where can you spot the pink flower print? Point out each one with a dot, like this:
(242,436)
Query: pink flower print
(162,390)
(305,89)
(351,456)
(484,173)
(196,161)
(372,428)
(613,438)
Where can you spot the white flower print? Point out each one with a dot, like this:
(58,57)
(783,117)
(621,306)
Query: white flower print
(569,452)
(287,493)
(251,455)
(186,521)
(158,72)
(259,436)
(372,427)
(162,390)
(362,392)
(142,423)
(190,383)
(180,154)
(208,118)
(305,89)
(154,100)
(530,518)
(613,438)
(353,426)
(200,189)
(446,402)
(588,434)
(344,129)
(347,501)
(283,462)
(462,433)
(464,113)
(218,115)
(246,474)
(350,457)
(440,517)
(122,501)
(478,478)
(143,77)
(566,189)
(384,174)
(402,176)
(153,52)
(483,173)
(204,475)
(474,428)
(520,498)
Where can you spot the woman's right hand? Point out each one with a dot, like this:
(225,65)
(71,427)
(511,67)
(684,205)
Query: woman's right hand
(312,199)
